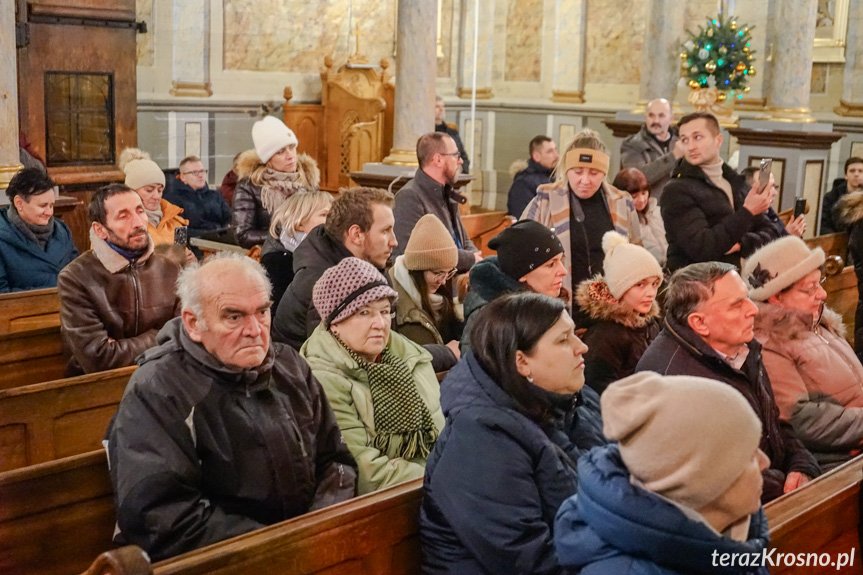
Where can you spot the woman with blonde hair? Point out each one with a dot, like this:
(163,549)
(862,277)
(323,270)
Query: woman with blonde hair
(581,206)
(147,179)
(291,223)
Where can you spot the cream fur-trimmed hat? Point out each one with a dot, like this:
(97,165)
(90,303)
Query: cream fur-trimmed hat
(271,135)
(686,438)
(626,264)
(140,170)
(430,246)
(778,265)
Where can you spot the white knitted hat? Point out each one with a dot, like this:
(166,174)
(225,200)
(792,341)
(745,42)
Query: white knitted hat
(778,265)
(271,135)
(686,438)
(140,170)
(626,264)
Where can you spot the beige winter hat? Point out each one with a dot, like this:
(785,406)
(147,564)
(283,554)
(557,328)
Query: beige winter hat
(430,246)
(779,264)
(140,170)
(626,264)
(686,438)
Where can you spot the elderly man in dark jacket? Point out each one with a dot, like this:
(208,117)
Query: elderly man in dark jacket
(220,432)
(537,171)
(205,209)
(710,213)
(431,192)
(709,332)
(654,149)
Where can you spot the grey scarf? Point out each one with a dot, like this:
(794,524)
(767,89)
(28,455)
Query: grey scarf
(154,216)
(33,232)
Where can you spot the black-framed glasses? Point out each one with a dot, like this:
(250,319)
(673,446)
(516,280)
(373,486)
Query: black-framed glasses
(452,154)
(195,173)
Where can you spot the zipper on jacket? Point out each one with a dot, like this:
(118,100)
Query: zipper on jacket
(137,294)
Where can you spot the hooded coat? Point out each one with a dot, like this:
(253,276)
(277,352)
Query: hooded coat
(680,351)
(816,377)
(496,478)
(347,387)
(487,282)
(849,215)
(200,452)
(612,527)
(251,221)
(618,336)
(24,265)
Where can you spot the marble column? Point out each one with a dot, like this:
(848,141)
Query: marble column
(570,46)
(851,102)
(660,60)
(9,160)
(416,70)
(482,60)
(791,74)
(191,61)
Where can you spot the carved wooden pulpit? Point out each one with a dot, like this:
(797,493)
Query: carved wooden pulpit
(352,125)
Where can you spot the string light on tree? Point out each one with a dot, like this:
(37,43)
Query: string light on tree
(719,55)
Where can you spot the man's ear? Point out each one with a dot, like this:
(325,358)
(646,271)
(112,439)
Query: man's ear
(719,138)
(192,325)
(354,235)
(100,231)
(696,324)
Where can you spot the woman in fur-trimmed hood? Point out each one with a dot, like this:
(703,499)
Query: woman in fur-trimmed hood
(622,303)
(815,375)
(849,214)
(269,175)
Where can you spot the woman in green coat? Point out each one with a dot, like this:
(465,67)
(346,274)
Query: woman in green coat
(381,385)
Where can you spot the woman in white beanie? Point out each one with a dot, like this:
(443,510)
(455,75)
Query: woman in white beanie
(815,375)
(681,487)
(268,175)
(425,311)
(622,306)
(147,179)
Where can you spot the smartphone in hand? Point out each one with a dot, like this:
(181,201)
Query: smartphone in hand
(764,174)
(181,236)
(799,207)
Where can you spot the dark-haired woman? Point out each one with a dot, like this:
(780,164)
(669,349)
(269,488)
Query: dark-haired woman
(425,312)
(517,420)
(652,227)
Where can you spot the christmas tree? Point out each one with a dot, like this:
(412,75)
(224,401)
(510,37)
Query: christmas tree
(719,56)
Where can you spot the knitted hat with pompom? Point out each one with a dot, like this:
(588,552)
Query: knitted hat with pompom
(626,264)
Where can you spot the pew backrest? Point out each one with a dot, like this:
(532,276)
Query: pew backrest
(28,310)
(32,356)
(56,419)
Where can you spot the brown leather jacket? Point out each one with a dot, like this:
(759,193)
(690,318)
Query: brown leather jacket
(111,310)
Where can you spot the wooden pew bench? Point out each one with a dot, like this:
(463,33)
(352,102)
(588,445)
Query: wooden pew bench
(29,310)
(483,226)
(821,517)
(33,356)
(47,421)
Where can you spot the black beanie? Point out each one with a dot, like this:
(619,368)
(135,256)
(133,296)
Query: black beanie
(524,246)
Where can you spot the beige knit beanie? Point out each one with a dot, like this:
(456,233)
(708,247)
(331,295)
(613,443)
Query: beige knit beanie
(271,135)
(430,246)
(779,265)
(686,438)
(626,264)
(140,170)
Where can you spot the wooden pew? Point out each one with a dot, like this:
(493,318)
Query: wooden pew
(28,357)
(842,297)
(482,226)
(56,516)
(29,310)
(832,244)
(56,419)
(821,517)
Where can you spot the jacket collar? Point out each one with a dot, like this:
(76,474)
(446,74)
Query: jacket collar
(113,261)
(593,297)
(683,169)
(536,167)
(429,185)
(11,234)
(690,340)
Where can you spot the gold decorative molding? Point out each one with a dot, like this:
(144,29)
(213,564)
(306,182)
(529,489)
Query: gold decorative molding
(191,90)
(481,93)
(7,173)
(798,115)
(567,97)
(401,158)
(848,109)
(756,104)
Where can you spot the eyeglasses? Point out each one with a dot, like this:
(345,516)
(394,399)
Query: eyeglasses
(444,275)
(452,154)
(811,291)
(195,173)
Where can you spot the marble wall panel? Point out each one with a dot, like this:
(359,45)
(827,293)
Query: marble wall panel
(523,41)
(697,12)
(819,79)
(295,35)
(144,12)
(445,39)
(615,36)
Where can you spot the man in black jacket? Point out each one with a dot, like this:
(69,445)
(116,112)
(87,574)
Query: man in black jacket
(205,209)
(709,332)
(710,213)
(220,432)
(451,130)
(852,182)
(543,159)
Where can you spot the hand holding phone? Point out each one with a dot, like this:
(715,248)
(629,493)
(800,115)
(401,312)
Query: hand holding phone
(181,236)
(764,174)
(799,207)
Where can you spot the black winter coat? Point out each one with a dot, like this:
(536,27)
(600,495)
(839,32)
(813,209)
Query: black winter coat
(524,186)
(848,213)
(251,221)
(701,225)
(829,220)
(680,351)
(279,264)
(199,452)
(495,478)
(205,209)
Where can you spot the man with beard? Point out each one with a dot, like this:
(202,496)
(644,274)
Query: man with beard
(115,297)
(655,148)
(431,192)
